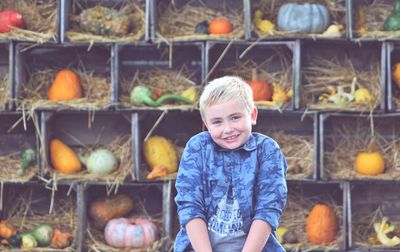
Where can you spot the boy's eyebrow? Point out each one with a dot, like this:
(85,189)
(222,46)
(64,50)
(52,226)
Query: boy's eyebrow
(233,114)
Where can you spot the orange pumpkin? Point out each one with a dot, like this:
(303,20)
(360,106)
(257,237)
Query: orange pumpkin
(66,86)
(220,26)
(130,233)
(396,74)
(63,158)
(105,209)
(261,89)
(322,225)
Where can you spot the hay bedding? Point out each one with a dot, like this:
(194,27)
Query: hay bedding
(299,153)
(283,77)
(343,147)
(270,10)
(134,10)
(4,91)
(60,213)
(96,91)
(332,72)
(121,147)
(40,18)
(10,165)
(177,24)
(375,16)
(295,216)
(164,80)
(362,229)
(96,241)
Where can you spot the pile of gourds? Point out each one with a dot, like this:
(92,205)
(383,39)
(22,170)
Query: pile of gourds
(109,214)
(43,235)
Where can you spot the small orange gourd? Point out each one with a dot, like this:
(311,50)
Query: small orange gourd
(220,26)
(261,89)
(321,226)
(396,74)
(7,230)
(371,162)
(130,233)
(63,158)
(60,239)
(105,209)
(66,86)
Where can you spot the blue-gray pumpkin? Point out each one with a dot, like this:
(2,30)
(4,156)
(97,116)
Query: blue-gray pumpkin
(307,17)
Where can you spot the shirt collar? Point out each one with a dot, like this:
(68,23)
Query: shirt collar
(248,146)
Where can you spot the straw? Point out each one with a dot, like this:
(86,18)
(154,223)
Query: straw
(337,10)
(4,91)
(295,215)
(177,24)
(135,11)
(40,19)
(322,73)
(25,213)
(96,90)
(342,147)
(162,80)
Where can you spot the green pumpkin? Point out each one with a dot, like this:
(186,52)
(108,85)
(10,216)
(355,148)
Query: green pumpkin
(307,17)
(392,22)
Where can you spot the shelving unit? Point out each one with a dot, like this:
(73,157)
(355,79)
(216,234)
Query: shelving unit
(117,64)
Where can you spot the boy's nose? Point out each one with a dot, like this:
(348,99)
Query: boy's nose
(228,128)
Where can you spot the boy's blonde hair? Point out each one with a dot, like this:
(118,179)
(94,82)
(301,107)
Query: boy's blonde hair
(225,89)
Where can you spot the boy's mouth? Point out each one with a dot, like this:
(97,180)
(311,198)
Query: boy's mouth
(231,138)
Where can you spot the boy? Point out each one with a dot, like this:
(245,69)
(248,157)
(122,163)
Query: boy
(231,186)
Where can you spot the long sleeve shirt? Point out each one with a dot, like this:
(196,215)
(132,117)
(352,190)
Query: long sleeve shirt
(258,170)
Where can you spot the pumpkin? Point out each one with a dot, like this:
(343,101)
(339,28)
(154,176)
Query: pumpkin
(9,19)
(66,86)
(63,158)
(7,230)
(101,161)
(370,162)
(105,209)
(220,26)
(307,17)
(396,74)
(261,88)
(130,233)
(160,153)
(321,225)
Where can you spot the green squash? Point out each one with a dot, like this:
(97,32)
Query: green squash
(307,17)
(43,234)
(392,22)
(101,161)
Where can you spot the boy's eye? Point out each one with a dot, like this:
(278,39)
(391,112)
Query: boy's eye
(236,117)
(216,122)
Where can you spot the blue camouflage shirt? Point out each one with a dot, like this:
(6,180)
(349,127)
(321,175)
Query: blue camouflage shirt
(258,171)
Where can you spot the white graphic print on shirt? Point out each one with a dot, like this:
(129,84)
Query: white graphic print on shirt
(227,219)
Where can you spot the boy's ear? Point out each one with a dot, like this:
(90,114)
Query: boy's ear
(254,114)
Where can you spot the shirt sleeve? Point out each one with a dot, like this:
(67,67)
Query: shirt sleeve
(271,188)
(190,196)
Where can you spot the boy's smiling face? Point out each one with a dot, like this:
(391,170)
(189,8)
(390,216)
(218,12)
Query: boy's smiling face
(229,123)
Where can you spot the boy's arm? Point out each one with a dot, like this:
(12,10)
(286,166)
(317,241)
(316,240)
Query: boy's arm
(198,235)
(257,237)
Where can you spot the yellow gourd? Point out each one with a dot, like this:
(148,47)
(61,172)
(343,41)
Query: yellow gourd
(63,158)
(160,155)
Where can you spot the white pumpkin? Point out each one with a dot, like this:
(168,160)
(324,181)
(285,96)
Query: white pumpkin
(101,161)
